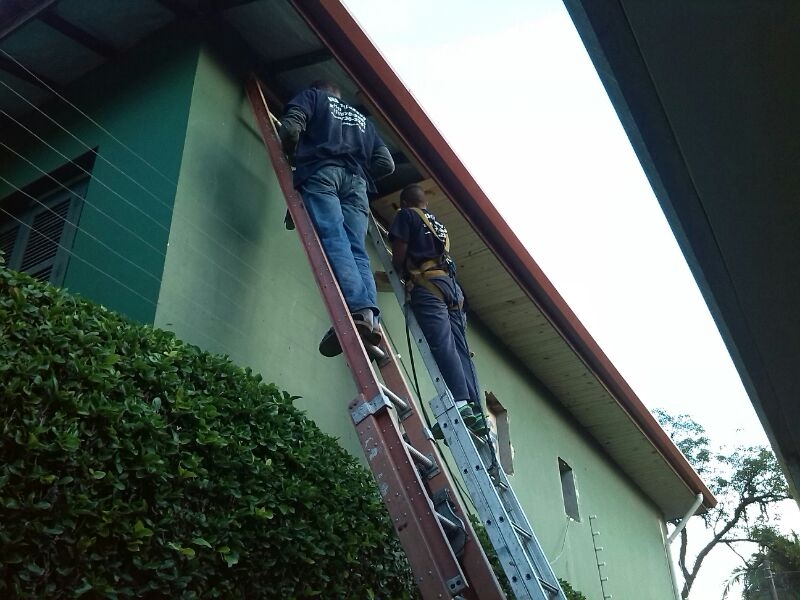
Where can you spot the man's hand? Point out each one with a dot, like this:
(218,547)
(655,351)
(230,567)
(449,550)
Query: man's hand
(290,136)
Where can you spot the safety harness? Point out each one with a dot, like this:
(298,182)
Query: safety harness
(422,273)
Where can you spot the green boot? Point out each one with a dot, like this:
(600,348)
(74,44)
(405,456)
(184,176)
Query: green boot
(471,420)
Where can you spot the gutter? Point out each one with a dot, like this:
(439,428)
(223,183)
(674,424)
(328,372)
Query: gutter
(689,514)
(338,30)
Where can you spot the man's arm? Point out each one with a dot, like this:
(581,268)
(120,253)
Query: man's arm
(399,251)
(292,125)
(381,163)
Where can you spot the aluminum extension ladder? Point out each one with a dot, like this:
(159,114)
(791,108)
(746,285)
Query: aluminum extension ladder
(434,530)
(512,537)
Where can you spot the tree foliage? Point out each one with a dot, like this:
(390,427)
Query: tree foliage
(747,481)
(775,567)
(133,465)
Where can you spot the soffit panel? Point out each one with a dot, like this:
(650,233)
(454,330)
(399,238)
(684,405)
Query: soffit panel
(49,53)
(273,29)
(120,23)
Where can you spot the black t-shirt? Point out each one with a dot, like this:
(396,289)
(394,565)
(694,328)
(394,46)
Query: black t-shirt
(336,134)
(422,244)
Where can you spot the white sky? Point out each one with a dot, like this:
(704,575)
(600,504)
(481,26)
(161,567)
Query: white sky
(511,87)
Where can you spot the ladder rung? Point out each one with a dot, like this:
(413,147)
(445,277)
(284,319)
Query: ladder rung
(419,457)
(447,523)
(401,404)
(376,353)
(548,586)
(523,532)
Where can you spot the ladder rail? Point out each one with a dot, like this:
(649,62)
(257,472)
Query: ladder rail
(482,581)
(435,567)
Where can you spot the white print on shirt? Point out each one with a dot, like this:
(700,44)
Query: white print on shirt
(347,114)
(439,228)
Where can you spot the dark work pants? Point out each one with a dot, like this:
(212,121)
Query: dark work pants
(445,331)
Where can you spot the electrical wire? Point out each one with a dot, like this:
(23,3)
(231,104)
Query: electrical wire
(70,252)
(101,271)
(89,118)
(95,207)
(140,210)
(75,225)
(108,162)
(112,219)
(563,542)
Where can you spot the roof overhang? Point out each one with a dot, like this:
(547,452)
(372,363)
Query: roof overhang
(708,94)
(545,307)
(295,42)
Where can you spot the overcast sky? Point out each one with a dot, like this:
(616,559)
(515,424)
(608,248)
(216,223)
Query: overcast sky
(511,87)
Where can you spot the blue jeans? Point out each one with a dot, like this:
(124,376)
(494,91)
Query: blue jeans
(445,331)
(336,201)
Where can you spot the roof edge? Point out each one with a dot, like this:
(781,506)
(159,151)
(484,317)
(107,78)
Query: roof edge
(331,21)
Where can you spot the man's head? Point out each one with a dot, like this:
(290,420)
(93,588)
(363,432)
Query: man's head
(413,196)
(327,86)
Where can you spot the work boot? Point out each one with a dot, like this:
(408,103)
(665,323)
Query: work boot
(366,323)
(329,345)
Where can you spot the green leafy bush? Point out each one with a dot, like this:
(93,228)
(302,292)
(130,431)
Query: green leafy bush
(569,591)
(136,466)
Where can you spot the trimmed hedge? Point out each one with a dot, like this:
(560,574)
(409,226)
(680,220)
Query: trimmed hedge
(136,466)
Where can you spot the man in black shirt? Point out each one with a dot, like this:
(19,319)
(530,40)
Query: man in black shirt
(420,248)
(337,156)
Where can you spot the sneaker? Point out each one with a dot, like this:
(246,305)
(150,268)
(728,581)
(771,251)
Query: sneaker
(478,426)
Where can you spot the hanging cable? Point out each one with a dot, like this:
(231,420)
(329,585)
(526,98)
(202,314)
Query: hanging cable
(100,211)
(98,125)
(145,214)
(563,542)
(108,162)
(75,225)
(190,300)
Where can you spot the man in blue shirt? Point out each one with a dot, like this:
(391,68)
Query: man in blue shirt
(338,155)
(420,247)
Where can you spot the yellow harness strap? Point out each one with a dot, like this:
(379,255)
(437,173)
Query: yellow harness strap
(427,221)
(420,275)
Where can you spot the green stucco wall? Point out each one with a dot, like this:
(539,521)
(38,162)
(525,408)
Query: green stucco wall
(628,523)
(235,281)
(142,99)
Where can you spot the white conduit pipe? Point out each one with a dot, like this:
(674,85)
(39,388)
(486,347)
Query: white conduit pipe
(689,514)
